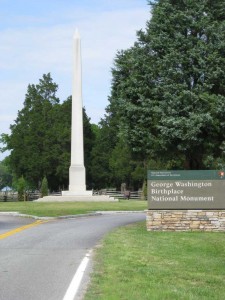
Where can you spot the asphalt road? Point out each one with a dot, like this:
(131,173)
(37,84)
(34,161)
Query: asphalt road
(39,263)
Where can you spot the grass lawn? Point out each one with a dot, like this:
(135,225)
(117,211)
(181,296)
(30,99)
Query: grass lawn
(56,209)
(134,264)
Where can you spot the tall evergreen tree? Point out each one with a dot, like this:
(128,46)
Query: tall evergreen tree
(62,144)
(169,87)
(5,175)
(31,138)
(40,139)
(101,152)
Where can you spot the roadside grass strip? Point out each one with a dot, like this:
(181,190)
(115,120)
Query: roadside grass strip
(19,229)
(132,264)
(57,209)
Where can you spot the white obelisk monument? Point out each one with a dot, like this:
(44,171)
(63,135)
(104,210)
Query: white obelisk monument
(77,181)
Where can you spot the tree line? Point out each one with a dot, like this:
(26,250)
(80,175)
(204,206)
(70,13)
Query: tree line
(165,109)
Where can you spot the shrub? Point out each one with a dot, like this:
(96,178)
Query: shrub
(44,187)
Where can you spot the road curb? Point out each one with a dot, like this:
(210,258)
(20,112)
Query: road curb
(17,214)
(97,213)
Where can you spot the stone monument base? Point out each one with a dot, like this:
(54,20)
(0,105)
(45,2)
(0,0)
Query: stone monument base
(185,220)
(79,193)
(77,198)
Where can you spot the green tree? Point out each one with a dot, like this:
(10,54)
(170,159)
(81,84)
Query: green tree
(169,87)
(40,139)
(105,142)
(32,138)
(44,187)
(62,128)
(21,186)
(35,135)
(120,165)
(89,141)
(124,169)
(5,175)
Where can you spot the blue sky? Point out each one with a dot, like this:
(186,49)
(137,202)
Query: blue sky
(36,38)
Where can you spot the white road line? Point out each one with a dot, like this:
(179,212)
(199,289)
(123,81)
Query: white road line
(75,283)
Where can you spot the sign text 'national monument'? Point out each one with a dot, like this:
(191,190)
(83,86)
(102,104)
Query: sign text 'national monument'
(186,189)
